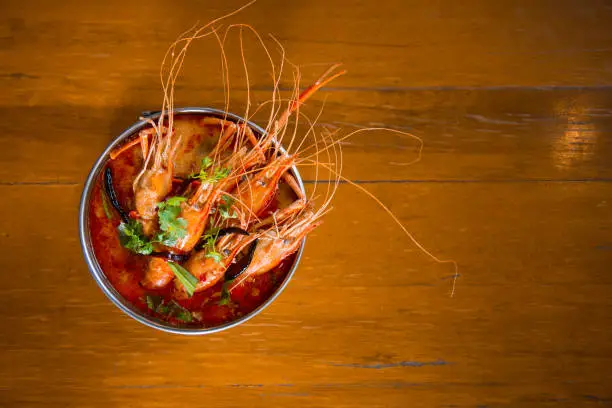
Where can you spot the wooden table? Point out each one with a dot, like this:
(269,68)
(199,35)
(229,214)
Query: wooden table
(513,101)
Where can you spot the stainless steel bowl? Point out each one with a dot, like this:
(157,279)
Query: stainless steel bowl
(94,266)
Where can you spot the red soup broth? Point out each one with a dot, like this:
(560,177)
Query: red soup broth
(125,269)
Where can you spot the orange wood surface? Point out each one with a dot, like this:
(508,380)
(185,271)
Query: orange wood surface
(513,101)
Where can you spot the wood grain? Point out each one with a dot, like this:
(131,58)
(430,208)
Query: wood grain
(513,101)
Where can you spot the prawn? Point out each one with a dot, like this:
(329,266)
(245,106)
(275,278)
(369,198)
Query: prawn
(280,240)
(197,209)
(210,269)
(247,182)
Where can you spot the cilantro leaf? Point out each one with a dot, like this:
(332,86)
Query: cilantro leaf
(226,298)
(132,238)
(214,255)
(172,227)
(226,206)
(227,199)
(172,202)
(153,302)
(209,245)
(221,173)
(217,174)
(172,308)
(163,308)
(188,281)
(212,233)
(206,163)
(180,312)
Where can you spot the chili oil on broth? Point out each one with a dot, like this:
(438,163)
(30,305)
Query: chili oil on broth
(125,269)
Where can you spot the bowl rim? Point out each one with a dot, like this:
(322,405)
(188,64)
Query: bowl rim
(94,267)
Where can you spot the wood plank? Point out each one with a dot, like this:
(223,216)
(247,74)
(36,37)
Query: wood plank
(513,102)
(525,325)
(98,52)
(395,395)
(468,135)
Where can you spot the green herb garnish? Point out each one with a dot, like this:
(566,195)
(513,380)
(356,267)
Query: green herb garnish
(132,238)
(188,281)
(226,206)
(163,308)
(107,210)
(212,233)
(171,202)
(205,164)
(209,245)
(153,302)
(216,256)
(203,173)
(217,174)
(173,228)
(221,173)
(209,239)
(181,313)
(226,298)
(172,308)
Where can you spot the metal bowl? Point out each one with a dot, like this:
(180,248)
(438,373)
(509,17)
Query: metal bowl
(94,266)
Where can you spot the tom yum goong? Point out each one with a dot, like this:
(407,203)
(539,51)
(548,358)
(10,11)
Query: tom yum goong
(197,219)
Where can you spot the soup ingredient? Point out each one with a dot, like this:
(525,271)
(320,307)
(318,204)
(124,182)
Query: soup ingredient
(225,294)
(110,190)
(159,274)
(237,180)
(171,225)
(187,280)
(132,237)
(210,269)
(107,210)
(170,309)
(282,239)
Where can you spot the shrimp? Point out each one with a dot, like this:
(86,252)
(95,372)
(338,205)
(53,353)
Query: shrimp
(196,210)
(281,240)
(154,181)
(289,227)
(209,270)
(254,194)
(158,274)
(251,167)
(153,186)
